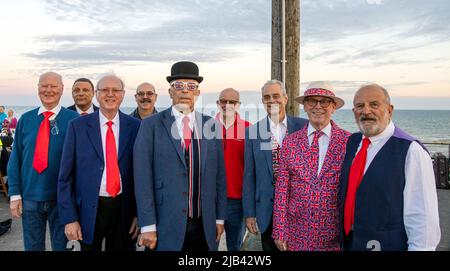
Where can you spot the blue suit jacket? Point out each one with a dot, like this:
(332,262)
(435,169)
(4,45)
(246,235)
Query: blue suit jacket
(161,180)
(257,190)
(82,166)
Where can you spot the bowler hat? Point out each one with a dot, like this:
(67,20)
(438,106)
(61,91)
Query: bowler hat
(184,70)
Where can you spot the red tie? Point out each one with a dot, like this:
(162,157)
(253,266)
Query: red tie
(187,133)
(112,166)
(356,174)
(40,161)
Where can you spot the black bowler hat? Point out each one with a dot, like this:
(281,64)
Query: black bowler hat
(184,70)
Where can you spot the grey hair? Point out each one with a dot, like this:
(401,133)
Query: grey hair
(57,75)
(113,76)
(273,82)
(374,85)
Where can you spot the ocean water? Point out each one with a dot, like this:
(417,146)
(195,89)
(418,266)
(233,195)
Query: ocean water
(426,125)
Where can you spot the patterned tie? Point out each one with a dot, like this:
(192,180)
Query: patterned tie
(112,165)
(315,151)
(275,159)
(187,133)
(40,161)
(354,179)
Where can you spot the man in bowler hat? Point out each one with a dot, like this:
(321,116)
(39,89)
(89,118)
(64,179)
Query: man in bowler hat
(179,172)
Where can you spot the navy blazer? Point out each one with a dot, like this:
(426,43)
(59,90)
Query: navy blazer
(161,179)
(258,190)
(72,107)
(82,167)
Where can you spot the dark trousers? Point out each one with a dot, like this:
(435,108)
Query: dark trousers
(109,226)
(194,239)
(268,244)
(234,225)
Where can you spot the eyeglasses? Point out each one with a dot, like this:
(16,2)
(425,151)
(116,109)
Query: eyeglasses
(142,94)
(228,102)
(324,103)
(178,85)
(107,91)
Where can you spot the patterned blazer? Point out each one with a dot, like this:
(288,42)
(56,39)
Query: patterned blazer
(305,210)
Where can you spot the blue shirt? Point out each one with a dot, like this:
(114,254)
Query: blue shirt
(3,116)
(22,177)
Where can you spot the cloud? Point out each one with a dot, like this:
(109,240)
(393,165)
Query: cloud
(155,31)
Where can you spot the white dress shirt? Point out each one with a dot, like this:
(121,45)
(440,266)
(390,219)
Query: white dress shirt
(179,121)
(324,142)
(89,111)
(278,130)
(420,204)
(103,129)
(41,110)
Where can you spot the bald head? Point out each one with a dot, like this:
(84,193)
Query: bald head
(374,88)
(145,87)
(229,94)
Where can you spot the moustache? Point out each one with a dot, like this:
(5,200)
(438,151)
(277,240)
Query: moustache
(364,118)
(146,101)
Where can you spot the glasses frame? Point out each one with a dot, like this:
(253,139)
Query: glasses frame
(324,103)
(185,85)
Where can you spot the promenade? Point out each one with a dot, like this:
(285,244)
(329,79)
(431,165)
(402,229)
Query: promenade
(12,240)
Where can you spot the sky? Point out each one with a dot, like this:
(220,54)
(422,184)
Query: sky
(403,45)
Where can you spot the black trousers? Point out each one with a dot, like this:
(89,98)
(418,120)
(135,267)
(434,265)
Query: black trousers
(109,227)
(268,244)
(194,238)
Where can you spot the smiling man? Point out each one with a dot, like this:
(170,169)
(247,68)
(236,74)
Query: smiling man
(34,166)
(305,211)
(95,186)
(263,142)
(387,195)
(82,94)
(145,99)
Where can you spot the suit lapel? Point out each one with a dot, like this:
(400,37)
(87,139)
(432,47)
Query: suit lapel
(125,132)
(265,143)
(171,128)
(202,139)
(94,134)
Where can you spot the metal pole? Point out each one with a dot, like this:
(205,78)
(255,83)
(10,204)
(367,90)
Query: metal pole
(283,41)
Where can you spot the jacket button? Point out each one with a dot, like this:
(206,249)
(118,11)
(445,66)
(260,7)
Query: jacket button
(101,168)
(184,211)
(271,200)
(185,193)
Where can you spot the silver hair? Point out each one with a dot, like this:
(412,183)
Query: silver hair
(273,82)
(374,85)
(113,76)
(57,75)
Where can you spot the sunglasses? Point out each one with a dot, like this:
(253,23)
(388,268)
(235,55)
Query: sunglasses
(324,103)
(178,85)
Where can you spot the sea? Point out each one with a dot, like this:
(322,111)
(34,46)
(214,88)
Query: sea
(429,126)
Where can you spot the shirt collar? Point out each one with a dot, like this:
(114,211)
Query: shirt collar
(388,132)
(55,111)
(179,116)
(220,119)
(274,126)
(90,109)
(104,120)
(326,130)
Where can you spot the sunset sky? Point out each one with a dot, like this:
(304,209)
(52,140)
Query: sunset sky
(401,44)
